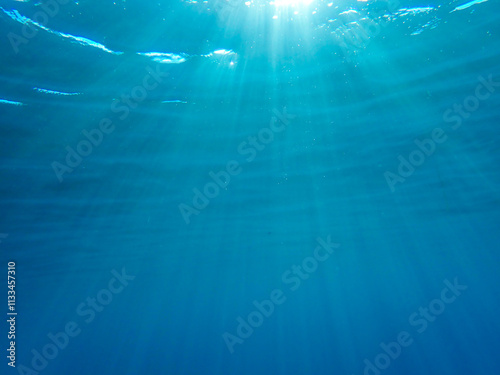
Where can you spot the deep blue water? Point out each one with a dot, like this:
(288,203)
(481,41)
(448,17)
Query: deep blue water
(170,168)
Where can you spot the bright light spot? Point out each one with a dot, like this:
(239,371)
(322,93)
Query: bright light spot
(223,52)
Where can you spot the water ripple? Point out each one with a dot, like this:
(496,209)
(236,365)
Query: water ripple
(16,16)
(468,5)
(45,91)
(165,58)
(5,101)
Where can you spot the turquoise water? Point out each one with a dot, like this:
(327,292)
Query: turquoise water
(246,188)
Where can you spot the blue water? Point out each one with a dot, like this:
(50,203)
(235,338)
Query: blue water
(251,188)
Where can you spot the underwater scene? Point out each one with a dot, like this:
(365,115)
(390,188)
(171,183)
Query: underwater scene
(250,187)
